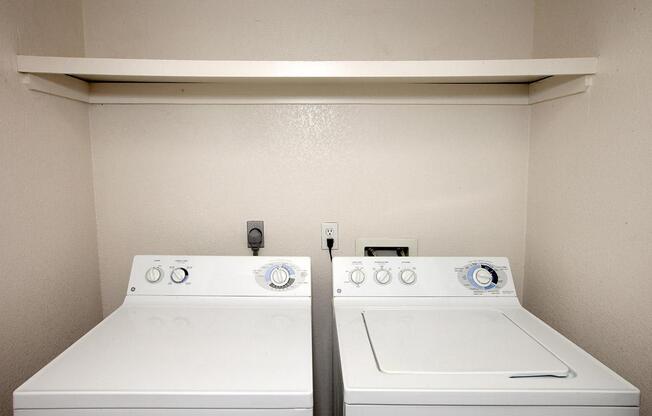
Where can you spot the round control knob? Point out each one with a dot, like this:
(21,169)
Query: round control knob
(482,277)
(383,276)
(357,276)
(179,275)
(408,276)
(279,276)
(153,274)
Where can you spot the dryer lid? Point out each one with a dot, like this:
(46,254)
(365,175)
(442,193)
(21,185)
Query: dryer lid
(456,341)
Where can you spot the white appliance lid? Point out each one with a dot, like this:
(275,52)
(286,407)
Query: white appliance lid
(172,353)
(366,380)
(456,341)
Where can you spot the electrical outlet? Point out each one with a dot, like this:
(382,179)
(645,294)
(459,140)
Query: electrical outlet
(329,230)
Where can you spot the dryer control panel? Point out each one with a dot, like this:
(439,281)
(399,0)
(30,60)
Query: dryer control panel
(422,276)
(219,276)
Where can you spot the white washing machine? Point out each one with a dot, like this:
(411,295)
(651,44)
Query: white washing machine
(447,336)
(195,336)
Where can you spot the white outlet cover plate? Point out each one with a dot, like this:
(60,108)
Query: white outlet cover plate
(325,226)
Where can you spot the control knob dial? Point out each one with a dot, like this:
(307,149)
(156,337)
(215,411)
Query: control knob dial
(153,274)
(408,276)
(279,277)
(179,275)
(357,276)
(482,277)
(383,276)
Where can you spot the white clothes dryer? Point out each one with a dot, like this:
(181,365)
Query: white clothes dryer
(195,336)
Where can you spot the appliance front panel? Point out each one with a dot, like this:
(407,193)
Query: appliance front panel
(163,412)
(375,410)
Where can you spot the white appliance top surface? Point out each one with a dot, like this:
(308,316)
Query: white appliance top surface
(456,341)
(235,333)
(244,353)
(450,331)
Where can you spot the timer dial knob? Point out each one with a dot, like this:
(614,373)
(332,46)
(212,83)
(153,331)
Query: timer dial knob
(408,276)
(383,276)
(153,274)
(357,276)
(482,277)
(179,275)
(279,276)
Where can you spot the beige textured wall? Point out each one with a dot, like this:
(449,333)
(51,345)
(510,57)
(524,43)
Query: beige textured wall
(50,284)
(309,29)
(589,234)
(184,179)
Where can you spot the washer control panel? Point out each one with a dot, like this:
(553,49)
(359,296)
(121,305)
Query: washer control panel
(219,276)
(422,276)
(374,274)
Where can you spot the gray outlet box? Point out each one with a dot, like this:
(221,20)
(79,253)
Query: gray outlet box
(254,238)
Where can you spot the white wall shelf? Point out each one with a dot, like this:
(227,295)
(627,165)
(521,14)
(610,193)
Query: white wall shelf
(81,76)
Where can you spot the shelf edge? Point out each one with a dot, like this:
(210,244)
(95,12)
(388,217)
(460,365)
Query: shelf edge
(143,70)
